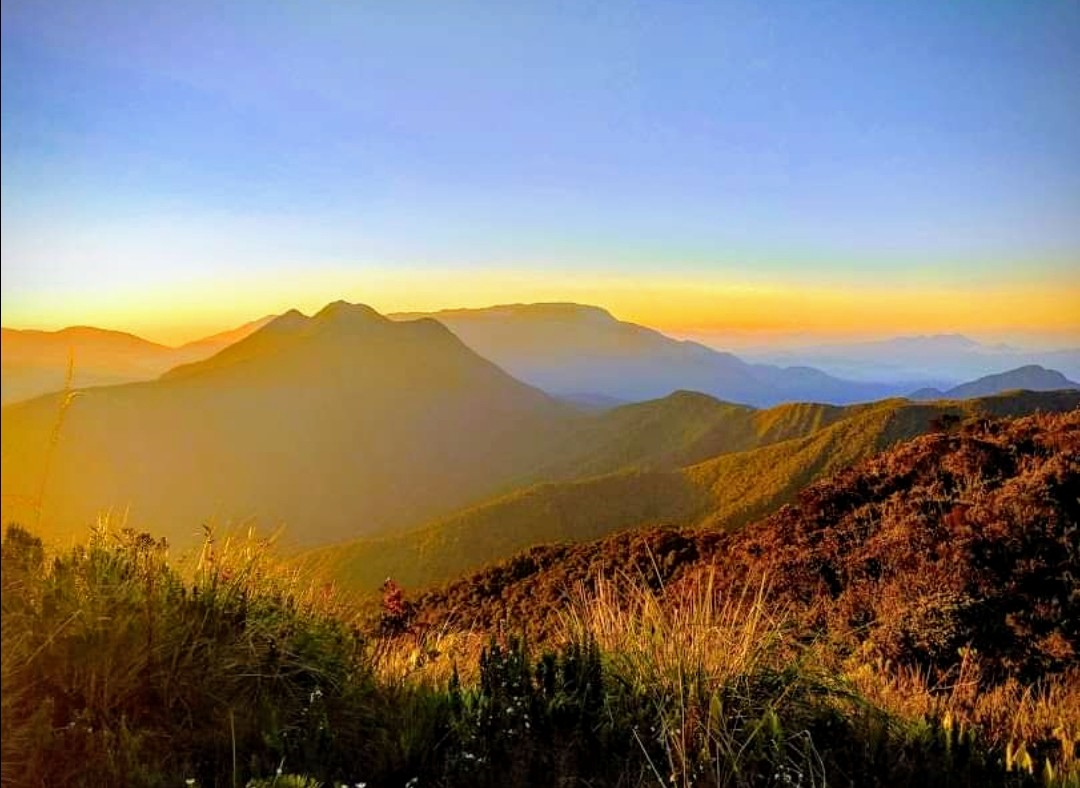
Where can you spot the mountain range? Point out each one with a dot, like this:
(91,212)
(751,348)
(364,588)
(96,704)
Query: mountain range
(581,354)
(348,424)
(941,360)
(708,465)
(574,350)
(339,424)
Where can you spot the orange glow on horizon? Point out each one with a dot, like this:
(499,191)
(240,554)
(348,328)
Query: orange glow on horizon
(676,305)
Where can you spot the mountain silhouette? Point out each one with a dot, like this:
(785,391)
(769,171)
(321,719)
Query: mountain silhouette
(36,362)
(339,424)
(571,349)
(1030,378)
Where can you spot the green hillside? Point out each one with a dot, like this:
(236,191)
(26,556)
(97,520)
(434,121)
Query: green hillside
(726,491)
(680,429)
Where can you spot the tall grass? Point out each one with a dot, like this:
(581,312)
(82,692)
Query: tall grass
(1034,729)
(117,669)
(716,672)
(120,668)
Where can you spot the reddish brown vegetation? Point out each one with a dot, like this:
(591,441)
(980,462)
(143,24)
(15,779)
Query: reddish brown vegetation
(949,540)
(963,538)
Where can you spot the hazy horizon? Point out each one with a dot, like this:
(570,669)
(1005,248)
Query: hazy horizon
(746,340)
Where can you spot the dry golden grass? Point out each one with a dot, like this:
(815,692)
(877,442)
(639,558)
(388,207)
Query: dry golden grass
(694,658)
(1036,727)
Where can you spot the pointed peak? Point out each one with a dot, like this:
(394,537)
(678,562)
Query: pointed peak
(289,321)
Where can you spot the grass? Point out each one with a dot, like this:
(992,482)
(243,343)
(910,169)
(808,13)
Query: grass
(121,668)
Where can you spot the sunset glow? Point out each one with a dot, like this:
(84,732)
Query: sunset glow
(839,171)
(702,306)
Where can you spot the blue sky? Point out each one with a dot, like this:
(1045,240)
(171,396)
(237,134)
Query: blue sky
(154,146)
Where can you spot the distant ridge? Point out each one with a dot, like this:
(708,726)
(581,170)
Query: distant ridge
(567,348)
(943,359)
(36,362)
(1030,378)
(212,344)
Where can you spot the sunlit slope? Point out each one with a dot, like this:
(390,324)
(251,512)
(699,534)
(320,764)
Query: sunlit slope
(726,491)
(680,429)
(336,425)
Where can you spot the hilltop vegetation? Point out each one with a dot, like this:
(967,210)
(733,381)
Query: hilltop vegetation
(759,461)
(909,621)
(956,539)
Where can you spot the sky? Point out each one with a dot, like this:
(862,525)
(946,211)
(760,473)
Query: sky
(722,168)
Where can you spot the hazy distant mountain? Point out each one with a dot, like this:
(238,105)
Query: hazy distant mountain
(567,348)
(1029,378)
(723,466)
(587,401)
(340,424)
(939,360)
(36,362)
(208,346)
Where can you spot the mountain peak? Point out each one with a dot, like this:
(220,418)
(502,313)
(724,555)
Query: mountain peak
(1031,377)
(1035,369)
(344,313)
(287,322)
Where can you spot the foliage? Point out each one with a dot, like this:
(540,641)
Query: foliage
(950,540)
